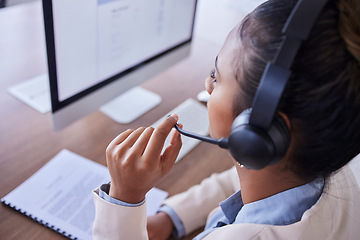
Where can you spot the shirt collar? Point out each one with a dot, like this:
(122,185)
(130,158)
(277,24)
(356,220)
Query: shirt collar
(281,209)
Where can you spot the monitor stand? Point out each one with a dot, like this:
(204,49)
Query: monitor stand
(131,105)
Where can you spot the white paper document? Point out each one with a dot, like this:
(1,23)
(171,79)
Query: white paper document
(59,195)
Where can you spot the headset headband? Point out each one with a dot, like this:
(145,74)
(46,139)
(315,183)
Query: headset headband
(277,73)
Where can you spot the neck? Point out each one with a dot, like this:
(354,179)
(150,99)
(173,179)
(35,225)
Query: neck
(260,184)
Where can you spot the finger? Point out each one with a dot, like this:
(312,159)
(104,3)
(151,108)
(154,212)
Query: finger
(121,151)
(120,138)
(132,138)
(171,152)
(175,135)
(180,125)
(143,140)
(159,136)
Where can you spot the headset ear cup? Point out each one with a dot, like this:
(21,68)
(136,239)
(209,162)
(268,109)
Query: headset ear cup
(280,136)
(255,148)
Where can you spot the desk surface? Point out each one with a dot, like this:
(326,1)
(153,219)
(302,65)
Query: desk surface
(28,142)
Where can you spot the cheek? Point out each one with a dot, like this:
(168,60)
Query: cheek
(220,115)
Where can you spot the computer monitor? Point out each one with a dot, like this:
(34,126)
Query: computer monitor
(98,49)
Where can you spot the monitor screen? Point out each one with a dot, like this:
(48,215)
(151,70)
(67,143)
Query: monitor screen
(98,49)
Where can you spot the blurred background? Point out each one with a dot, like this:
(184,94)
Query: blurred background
(6,3)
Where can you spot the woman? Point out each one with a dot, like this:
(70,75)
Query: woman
(302,195)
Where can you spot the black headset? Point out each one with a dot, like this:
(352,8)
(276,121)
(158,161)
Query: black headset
(259,136)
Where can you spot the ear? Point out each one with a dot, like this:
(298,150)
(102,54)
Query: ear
(286,119)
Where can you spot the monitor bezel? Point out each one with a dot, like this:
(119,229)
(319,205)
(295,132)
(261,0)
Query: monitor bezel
(128,78)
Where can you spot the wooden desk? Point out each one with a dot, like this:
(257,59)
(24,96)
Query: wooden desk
(27,141)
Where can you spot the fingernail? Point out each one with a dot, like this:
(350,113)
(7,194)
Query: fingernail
(174,116)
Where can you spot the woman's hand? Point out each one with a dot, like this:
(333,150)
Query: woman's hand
(135,161)
(159,226)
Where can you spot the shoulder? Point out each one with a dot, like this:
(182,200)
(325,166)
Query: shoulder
(354,165)
(334,216)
